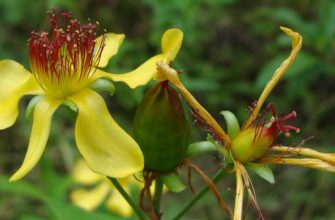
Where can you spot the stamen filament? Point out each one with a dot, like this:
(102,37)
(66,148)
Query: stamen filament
(64,63)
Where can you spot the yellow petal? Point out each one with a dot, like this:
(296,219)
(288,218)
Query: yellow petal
(305,162)
(303,151)
(90,199)
(15,82)
(140,76)
(170,43)
(39,135)
(106,147)
(117,204)
(296,46)
(112,43)
(81,173)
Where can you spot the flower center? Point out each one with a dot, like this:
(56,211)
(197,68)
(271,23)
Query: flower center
(65,62)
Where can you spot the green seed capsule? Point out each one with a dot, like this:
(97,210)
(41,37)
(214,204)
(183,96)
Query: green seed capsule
(251,144)
(161,129)
(256,141)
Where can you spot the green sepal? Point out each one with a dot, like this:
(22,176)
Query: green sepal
(71,105)
(211,139)
(103,85)
(173,182)
(263,171)
(233,126)
(200,148)
(228,158)
(31,106)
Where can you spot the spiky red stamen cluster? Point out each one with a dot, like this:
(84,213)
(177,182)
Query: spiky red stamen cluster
(276,125)
(70,52)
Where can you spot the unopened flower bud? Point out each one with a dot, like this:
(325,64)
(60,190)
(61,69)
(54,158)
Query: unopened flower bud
(161,128)
(255,141)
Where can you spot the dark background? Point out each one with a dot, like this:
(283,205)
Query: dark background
(230,50)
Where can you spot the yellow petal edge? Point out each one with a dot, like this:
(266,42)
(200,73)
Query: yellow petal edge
(15,82)
(39,135)
(90,199)
(112,44)
(106,147)
(170,43)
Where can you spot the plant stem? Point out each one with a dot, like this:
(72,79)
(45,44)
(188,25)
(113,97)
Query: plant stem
(216,178)
(158,194)
(239,194)
(130,201)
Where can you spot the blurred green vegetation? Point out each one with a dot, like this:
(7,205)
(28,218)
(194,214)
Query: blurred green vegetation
(230,50)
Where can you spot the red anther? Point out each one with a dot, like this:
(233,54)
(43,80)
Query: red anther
(275,125)
(70,51)
(293,114)
(289,127)
(286,128)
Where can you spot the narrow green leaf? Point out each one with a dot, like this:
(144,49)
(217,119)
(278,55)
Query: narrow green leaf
(21,188)
(263,171)
(233,126)
(56,186)
(173,182)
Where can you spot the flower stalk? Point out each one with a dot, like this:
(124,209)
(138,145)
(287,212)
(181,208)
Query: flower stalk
(216,178)
(238,207)
(158,195)
(130,201)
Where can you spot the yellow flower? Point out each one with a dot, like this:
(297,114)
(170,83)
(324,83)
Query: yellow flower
(170,44)
(102,191)
(63,67)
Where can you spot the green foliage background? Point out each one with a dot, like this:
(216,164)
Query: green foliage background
(230,50)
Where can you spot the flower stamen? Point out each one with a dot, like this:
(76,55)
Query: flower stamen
(64,62)
(276,125)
